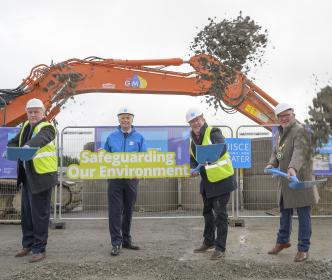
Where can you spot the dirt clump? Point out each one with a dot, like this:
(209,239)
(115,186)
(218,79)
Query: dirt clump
(236,45)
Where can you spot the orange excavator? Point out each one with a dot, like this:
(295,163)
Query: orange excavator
(56,83)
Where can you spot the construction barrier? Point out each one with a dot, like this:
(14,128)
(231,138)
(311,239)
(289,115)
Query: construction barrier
(160,197)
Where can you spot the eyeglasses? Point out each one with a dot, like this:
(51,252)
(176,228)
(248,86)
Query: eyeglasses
(196,120)
(284,116)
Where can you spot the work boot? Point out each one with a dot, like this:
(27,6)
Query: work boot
(278,247)
(216,255)
(37,257)
(301,256)
(130,246)
(203,248)
(24,252)
(115,250)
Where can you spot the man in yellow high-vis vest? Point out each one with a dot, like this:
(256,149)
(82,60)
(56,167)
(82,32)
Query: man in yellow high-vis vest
(217,182)
(36,178)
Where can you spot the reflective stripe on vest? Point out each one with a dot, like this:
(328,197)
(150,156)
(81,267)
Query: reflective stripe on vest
(45,159)
(220,169)
(218,163)
(45,154)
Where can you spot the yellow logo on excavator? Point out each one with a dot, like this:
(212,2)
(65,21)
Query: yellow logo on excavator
(136,82)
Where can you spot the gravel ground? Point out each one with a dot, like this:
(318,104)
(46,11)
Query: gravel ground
(82,251)
(166,268)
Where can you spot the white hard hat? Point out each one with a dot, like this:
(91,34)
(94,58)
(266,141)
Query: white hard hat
(35,103)
(125,110)
(193,113)
(281,107)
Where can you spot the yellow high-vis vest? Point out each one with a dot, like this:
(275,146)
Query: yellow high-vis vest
(219,170)
(45,159)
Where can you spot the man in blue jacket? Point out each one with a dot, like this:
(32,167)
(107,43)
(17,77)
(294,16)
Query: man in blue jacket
(122,193)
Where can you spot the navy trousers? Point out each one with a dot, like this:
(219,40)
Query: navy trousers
(35,216)
(304,232)
(122,195)
(216,217)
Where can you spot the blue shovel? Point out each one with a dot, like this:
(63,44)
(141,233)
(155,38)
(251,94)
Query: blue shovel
(207,154)
(294,181)
(22,153)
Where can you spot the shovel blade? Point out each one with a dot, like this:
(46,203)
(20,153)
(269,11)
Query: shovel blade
(306,184)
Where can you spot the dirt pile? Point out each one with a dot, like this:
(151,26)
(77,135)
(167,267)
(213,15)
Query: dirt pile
(236,45)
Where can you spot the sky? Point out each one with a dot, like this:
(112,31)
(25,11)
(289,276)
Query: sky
(40,32)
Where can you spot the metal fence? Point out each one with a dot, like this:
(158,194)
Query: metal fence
(10,202)
(87,199)
(168,197)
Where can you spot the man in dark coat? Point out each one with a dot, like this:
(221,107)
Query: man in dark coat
(216,185)
(292,154)
(36,178)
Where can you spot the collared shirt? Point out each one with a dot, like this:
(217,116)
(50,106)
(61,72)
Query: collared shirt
(119,141)
(126,132)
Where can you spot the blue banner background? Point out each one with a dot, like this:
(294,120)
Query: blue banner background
(7,167)
(164,139)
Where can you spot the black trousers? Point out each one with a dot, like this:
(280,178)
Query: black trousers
(35,216)
(122,195)
(216,217)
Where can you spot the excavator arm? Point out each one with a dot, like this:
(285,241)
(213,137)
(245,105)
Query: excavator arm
(55,84)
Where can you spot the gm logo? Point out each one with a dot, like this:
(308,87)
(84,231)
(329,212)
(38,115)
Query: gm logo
(136,82)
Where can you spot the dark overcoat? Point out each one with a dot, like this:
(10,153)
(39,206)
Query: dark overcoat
(293,149)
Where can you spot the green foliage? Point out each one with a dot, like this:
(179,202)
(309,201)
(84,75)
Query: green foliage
(68,160)
(320,117)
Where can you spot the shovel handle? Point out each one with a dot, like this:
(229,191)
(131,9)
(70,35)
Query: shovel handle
(277,172)
(196,170)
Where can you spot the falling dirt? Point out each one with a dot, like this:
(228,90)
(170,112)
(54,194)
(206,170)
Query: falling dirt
(236,44)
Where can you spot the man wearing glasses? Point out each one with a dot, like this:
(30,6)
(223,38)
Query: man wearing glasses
(292,154)
(217,183)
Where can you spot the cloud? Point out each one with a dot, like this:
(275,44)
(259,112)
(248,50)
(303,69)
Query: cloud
(43,31)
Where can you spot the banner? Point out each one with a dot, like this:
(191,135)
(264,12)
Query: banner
(161,138)
(239,150)
(323,160)
(104,165)
(7,168)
